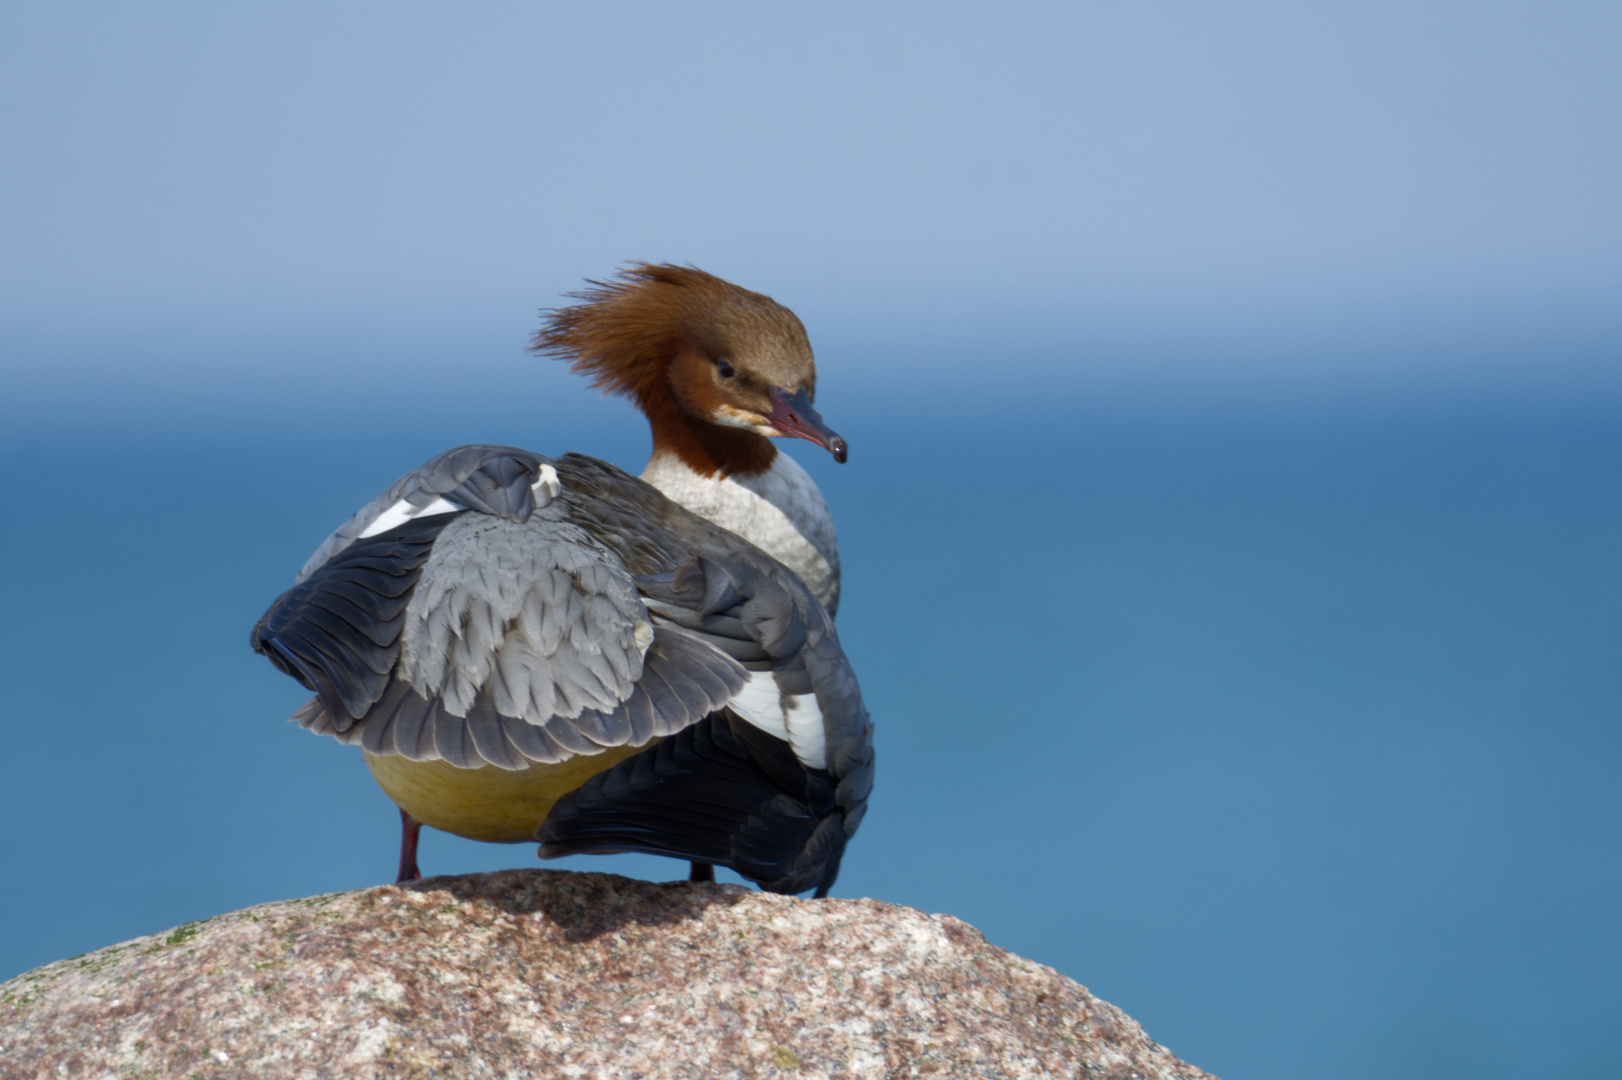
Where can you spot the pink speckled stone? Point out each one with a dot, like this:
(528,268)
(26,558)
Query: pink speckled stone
(542,973)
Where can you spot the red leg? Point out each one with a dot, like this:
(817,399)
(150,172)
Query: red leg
(410,829)
(702,871)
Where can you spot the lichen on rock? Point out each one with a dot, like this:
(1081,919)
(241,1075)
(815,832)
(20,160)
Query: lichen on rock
(528,973)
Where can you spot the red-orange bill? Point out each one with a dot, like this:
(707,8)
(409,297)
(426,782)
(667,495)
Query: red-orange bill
(792,414)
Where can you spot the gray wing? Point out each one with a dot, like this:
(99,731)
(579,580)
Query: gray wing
(711,584)
(775,784)
(593,613)
(758,612)
(496,480)
(476,637)
(744,787)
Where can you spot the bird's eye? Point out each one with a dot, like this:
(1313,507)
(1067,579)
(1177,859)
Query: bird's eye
(724,369)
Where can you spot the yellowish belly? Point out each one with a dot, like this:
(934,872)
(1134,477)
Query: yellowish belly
(486,803)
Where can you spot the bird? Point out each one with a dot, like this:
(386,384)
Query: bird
(704,360)
(718,371)
(548,648)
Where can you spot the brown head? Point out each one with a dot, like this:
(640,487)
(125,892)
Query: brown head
(718,370)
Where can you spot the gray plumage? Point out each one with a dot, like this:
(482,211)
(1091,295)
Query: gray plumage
(518,629)
(490,479)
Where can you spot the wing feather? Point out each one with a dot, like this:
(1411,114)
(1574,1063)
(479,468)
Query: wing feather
(489,736)
(641,717)
(516,631)
(452,742)
(530,741)
(413,734)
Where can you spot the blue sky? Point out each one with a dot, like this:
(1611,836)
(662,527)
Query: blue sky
(1154,194)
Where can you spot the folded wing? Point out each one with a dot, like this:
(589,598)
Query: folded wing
(500,608)
(774,785)
(486,638)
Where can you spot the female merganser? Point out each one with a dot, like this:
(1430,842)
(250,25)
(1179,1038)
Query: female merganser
(536,647)
(717,370)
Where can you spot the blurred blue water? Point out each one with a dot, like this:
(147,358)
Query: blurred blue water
(1294,732)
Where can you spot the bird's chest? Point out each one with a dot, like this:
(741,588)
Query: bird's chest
(792,526)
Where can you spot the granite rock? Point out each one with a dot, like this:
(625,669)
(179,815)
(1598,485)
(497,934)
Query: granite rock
(542,973)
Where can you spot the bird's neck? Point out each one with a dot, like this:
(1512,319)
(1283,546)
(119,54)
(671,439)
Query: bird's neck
(705,448)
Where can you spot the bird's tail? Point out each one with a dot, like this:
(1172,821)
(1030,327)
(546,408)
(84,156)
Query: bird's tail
(721,791)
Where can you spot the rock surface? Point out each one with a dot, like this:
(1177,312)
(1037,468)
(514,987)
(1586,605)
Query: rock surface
(542,973)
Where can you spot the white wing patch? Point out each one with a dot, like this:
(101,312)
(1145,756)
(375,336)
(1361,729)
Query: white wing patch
(794,718)
(805,731)
(545,488)
(402,512)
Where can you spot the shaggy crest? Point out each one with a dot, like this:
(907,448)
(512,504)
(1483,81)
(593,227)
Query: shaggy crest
(626,332)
